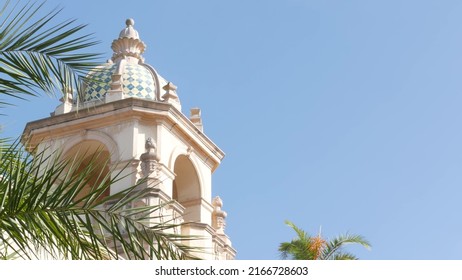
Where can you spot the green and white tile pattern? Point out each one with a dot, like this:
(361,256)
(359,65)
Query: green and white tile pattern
(137,81)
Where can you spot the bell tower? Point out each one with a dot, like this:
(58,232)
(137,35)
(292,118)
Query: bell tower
(133,115)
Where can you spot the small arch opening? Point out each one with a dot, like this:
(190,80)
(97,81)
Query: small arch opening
(93,158)
(186,188)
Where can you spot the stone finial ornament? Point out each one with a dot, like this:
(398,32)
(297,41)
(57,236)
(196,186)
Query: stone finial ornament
(149,160)
(67,102)
(218,216)
(128,44)
(170,95)
(129,31)
(67,95)
(196,118)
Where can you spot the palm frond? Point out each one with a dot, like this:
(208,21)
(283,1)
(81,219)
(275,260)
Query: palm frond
(335,244)
(299,247)
(43,212)
(341,256)
(284,250)
(39,55)
(301,234)
(296,250)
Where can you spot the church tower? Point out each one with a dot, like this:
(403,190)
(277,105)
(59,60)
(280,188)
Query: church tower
(132,115)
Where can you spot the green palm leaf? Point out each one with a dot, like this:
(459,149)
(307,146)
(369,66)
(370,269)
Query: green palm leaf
(341,256)
(334,246)
(38,55)
(298,248)
(43,213)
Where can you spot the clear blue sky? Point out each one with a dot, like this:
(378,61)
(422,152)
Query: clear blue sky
(340,114)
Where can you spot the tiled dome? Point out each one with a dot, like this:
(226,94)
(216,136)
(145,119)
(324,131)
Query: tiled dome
(125,75)
(137,81)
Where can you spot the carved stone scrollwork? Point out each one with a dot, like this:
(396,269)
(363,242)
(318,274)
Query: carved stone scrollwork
(149,161)
(218,216)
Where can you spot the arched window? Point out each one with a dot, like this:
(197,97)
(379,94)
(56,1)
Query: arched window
(186,188)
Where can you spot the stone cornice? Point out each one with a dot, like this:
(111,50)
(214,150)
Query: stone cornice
(125,109)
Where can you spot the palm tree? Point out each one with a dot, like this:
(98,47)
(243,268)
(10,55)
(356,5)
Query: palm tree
(306,247)
(50,207)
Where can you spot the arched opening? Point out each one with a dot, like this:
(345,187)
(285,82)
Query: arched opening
(92,158)
(186,188)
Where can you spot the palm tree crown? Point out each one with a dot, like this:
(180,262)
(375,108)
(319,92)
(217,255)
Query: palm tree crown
(306,247)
